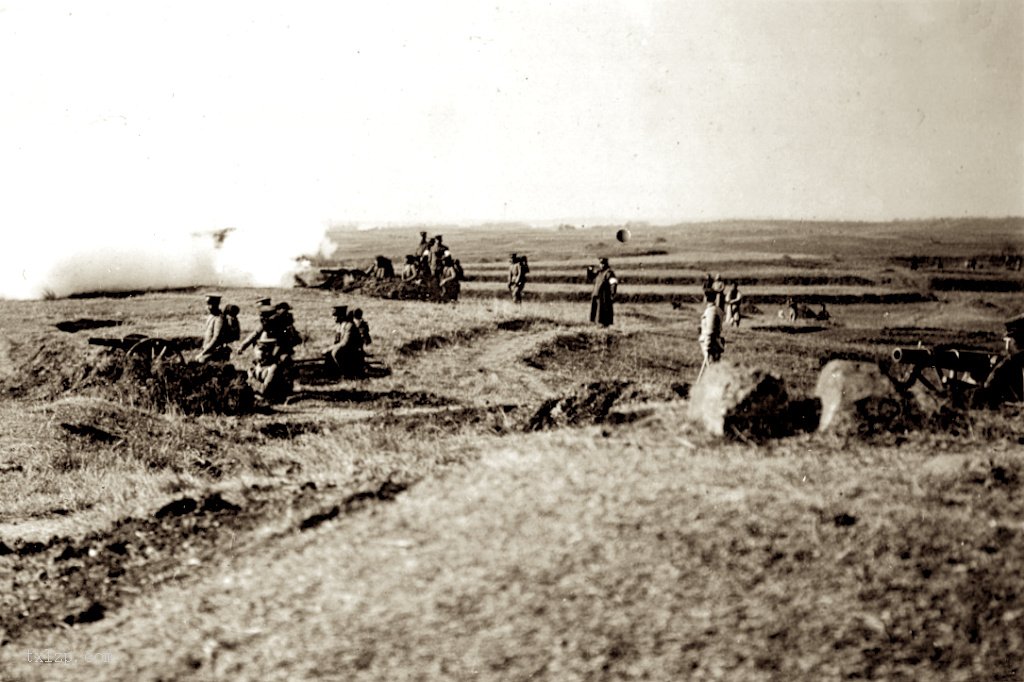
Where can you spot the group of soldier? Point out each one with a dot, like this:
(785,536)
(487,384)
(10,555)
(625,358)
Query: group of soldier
(271,373)
(432,264)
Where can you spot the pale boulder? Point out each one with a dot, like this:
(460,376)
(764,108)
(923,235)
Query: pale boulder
(739,401)
(858,398)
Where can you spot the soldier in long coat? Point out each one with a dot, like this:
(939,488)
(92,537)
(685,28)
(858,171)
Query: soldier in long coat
(603,297)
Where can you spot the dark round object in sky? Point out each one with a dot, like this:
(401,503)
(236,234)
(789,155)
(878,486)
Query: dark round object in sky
(623,235)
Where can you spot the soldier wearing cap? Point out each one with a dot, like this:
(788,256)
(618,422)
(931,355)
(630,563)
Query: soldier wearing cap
(603,297)
(215,336)
(516,277)
(267,377)
(266,312)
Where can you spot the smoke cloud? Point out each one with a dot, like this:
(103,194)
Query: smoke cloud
(58,263)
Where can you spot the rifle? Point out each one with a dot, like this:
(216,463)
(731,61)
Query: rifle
(951,368)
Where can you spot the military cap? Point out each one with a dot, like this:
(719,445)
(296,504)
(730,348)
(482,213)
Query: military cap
(340,310)
(283,305)
(603,261)
(212,298)
(263,301)
(513,255)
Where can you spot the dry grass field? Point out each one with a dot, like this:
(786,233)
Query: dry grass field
(445,522)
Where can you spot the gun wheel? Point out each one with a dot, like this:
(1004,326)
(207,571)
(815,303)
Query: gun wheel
(152,349)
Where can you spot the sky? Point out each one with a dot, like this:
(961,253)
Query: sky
(125,122)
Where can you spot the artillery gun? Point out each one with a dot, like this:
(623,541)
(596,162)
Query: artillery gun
(150,348)
(982,377)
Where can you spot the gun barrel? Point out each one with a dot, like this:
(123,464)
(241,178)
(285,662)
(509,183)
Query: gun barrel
(972,361)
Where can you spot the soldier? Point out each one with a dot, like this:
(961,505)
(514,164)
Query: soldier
(436,259)
(381,268)
(732,301)
(603,297)
(362,326)
(823,314)
(214,335)
(343,355)
(449,281)
(266,312)
(423,246)
(1006,381)
(711,342)
(516,278)
(410,271)
(233,330)
(267,377)
(791,311)
(718,286)
(282,327)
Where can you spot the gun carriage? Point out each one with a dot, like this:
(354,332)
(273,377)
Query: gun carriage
(984,376)
(149,348)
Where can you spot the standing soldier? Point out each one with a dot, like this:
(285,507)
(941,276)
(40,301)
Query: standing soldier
(449,281)
(711,343)
(603,296)
(436,259)
(732,301)
(214,334)
(517,277)
(423,246)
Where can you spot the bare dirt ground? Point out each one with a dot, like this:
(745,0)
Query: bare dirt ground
(522,497)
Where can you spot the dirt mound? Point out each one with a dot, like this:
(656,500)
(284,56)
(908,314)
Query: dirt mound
(564,346)
(590,404)
(191,388)
(51,367)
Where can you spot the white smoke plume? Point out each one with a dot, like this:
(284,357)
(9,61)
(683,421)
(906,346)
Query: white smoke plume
(52,263)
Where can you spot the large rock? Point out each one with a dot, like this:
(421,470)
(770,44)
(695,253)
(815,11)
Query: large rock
(858,398)
(738,401)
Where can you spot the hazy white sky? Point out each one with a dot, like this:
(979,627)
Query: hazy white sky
(116,116)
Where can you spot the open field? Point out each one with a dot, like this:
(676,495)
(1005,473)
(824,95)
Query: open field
(445,522)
